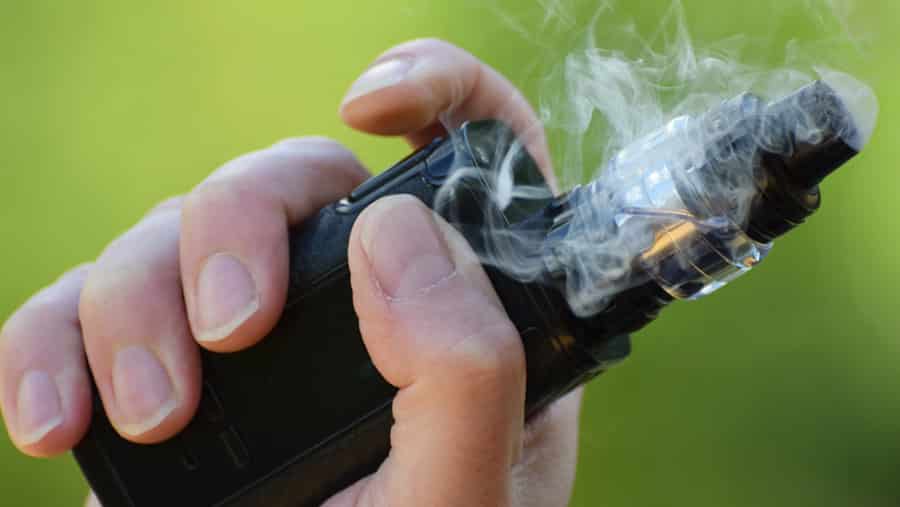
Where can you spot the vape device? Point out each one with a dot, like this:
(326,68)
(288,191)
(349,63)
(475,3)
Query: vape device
(304,413)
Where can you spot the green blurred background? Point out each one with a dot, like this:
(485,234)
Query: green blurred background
(782,390)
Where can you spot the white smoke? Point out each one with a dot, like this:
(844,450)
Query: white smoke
(631,118)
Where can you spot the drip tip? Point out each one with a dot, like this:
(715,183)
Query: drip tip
(805,136)
(814,132)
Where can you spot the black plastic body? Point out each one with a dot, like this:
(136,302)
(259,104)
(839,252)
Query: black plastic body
(303,414)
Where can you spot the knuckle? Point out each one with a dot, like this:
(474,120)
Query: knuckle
(216,194)
(45,304)
(152,223)
(228,216)
(263,175)
(248,163)
(170,204)
(150,241)
(120,300)
(112,289)
(15,327)
(429,44)
(49,305)
(55,303)
(79,271)
(242,207)
(493,354)
(305,144)
(93,295)
(320,153)
(18,334)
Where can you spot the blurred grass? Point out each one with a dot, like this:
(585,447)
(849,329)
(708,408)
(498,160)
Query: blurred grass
(781,390)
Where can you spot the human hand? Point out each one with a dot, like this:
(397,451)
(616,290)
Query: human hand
(210,268)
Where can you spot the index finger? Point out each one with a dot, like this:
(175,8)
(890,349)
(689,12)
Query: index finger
(419,88)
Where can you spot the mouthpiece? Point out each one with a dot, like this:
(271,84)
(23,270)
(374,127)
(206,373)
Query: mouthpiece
(818,130)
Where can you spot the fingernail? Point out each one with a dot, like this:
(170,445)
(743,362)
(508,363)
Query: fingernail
(39,407)
(407,253)
(226,297)
(143,390)
(379,76)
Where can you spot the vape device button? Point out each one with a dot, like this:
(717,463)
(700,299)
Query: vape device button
(399,169)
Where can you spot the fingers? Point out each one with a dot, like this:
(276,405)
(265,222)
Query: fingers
(44,385)
(234,253)
(145,364)
(545,473)
(418,88)
(435,329)
(210,267)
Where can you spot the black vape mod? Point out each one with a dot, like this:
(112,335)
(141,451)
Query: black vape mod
(673,216)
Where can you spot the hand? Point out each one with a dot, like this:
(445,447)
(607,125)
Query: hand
(210,268)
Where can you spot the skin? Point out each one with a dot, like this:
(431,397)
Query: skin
(209,270)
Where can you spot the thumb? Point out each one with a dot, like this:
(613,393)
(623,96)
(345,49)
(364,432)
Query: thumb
(436,330)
